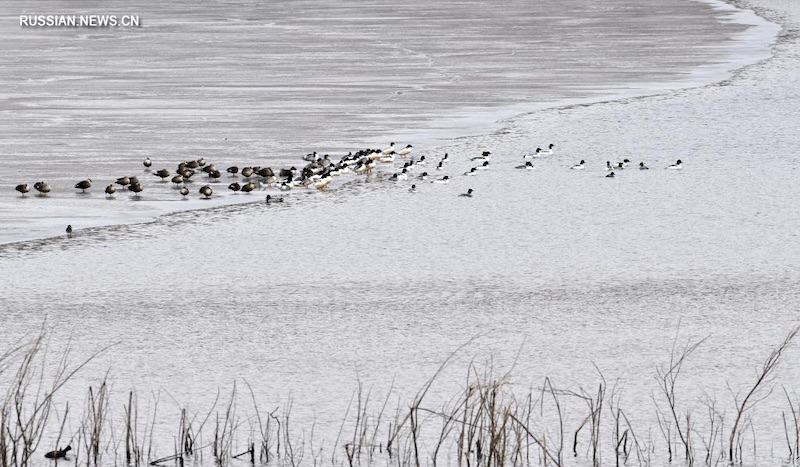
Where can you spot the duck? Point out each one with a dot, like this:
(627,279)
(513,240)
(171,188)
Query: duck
(677,165)
(111,189)
(147,162)
(440,166)
(533,155)
(483,157)
(184,191)
(471,172)
(163,173)
(206,191)
(421,161)
(484,166)
(389,150)
(442,180)
(322,183)
(123,181)
(422,176)
(387,158)
(413,189)
(247,172)
(271,200)
(84,184)
(23,188)
(69,235)
(136,188)
(610,175)
(608,166)
(234,187)
(468,194)
(233,170)
(285,186)
(402,176)
(405,151)
(178,179)
(248,187)
(445,158)
(548,151)
(42,187)
(60,453)
(623,164)
(527,166)
(642,166)
(579,166)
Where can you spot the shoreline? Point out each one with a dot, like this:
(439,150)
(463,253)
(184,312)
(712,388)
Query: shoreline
(493,121)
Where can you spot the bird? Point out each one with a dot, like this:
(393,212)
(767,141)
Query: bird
(234,187)
(608,165)
(642,166)
(444,158)
(422,176)
(60,453)
(442,180)
(206,191)
(610,175)
(201,162)
(548,151)
(247,172)
(248,187)
(484,166)
(580,166)
(676,165)
(84,184)
(136,188)
(42,187)
(413,189)
(24,188)
(184,191)
(389,150)
(147,162)
(421,161)
(111,189)
(69,235)
(271,200)
(163,173)
(531,155)
(468,194)
(527,166)
(483,157)
(123,181)
(440,166)
(405,151)
(178,179)
(471,172)
(285,186)
(322,183)
(623,164)
(233,170)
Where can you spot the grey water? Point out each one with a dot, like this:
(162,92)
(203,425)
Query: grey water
(553,271)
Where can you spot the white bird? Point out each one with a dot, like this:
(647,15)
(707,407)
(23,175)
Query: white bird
(580,166)
(642,166)
(405,151)
(676,165)
(484,166)
(389,150)
(442,180)
(532,155)
(471,172)
(548,151)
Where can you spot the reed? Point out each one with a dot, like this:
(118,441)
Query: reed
(488,423)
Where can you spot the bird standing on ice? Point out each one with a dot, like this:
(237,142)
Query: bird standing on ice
(405,151)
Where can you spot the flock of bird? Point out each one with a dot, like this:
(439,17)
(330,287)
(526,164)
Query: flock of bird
(318,172)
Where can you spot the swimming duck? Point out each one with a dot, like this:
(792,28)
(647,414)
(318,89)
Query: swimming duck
(422,176)
(676,165)
(471,172)
(271,200)
(484,166)
(468,194)
(532,155)
(580,166)
(642,166)
(610,175)
(527,166)
(413,189)
(442,180)
(69,235)
(548,151)
(389,150)
(483,157)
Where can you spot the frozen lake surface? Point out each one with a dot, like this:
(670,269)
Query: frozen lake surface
(552,270)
